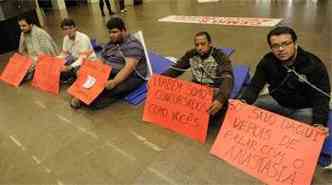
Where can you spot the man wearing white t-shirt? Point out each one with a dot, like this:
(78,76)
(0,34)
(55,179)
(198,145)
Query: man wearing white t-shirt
(76,48)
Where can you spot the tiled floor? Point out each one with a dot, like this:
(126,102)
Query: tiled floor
(44,141)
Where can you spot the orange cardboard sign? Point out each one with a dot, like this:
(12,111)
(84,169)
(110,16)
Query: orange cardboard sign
(91,81)
(179,106)
(47,73)
(16,69)
(275,149)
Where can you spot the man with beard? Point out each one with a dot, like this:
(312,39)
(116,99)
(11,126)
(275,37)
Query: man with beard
(210,67)
(297,80)
(125,54)
(34,41)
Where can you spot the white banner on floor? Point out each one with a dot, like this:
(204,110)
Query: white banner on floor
(229,21)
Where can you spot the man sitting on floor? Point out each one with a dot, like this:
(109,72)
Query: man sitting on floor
(76,48)
(125,54)
(34,41)
(298,81)
(211,67)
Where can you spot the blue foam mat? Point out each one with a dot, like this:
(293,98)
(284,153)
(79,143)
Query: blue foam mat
(227,51)
(326,154)
(328,143)
(159,64)
(241,76)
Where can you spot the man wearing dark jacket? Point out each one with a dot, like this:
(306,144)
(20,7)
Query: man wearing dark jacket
(297,80)
(209,66)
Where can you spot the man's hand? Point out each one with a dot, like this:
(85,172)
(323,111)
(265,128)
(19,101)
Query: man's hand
(66,68)
(32,68)
(40,54)
(110,84)
(60,57)
(322,128)
(215,107)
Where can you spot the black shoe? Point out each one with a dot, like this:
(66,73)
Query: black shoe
(123,11)
(75,104)
(103,14)
(112,13)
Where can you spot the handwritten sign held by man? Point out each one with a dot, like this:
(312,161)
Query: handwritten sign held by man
(179,106)
(91,81)
(47,74)
(16,69)
(270,147)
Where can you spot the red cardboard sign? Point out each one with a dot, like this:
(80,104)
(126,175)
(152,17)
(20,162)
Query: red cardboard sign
(179,106)
(47,74)
(275,149)
(16,69)
(94,71)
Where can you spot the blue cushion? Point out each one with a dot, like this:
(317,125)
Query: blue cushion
(159,64)
(326,154)
(227,51)
(96,47)
(241,76)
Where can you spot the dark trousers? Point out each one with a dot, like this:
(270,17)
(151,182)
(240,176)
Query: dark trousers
(107,97)
(108,5)
(68,77)
(122,4)
(218,118)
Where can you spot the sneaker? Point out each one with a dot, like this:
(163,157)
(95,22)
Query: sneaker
(329,167)
(75,103)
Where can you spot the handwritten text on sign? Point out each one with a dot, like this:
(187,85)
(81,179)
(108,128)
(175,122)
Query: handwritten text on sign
(229,21)
(179,106)
(275,149)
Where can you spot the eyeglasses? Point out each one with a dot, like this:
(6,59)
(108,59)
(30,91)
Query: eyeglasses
(282,45)
(65,28)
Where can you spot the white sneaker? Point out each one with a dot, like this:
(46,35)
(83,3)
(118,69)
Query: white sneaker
(329,167)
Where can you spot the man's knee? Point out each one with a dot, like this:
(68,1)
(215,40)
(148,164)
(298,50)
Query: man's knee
(269,104)
(303,115)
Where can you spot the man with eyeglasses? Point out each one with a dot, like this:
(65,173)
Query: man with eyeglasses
(125,54)
(298,81)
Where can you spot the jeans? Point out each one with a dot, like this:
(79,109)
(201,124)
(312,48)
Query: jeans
(268,103)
